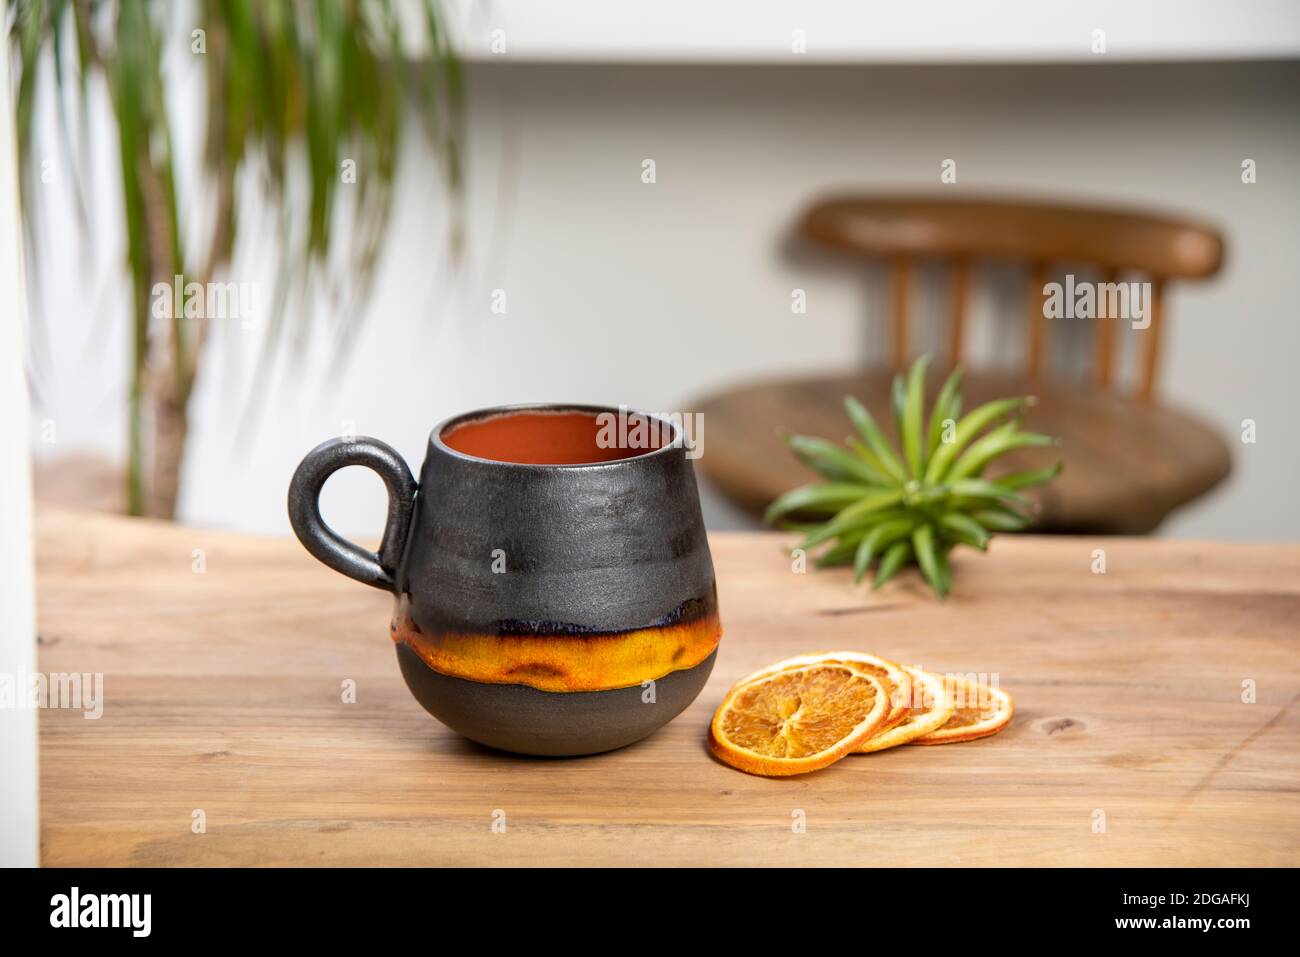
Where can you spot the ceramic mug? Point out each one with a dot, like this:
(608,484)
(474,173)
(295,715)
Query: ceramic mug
(554,589)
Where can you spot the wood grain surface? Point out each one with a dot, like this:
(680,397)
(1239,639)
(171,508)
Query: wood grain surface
(222,693)
(1127,464)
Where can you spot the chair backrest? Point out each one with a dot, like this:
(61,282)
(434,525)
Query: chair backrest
(906,229)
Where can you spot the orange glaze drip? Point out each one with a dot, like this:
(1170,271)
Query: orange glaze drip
(565,662)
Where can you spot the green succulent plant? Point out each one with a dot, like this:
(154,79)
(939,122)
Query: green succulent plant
(894,509)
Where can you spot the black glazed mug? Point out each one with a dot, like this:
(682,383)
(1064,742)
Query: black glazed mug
(555,593)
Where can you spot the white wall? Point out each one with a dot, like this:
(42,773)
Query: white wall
(19,810)
(622,292)
(832,31)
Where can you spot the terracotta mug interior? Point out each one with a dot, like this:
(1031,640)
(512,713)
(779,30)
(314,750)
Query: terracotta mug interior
(534,437)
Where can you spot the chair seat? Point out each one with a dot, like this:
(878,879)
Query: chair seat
(1128,463)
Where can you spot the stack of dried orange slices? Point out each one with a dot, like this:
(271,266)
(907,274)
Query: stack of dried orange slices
(807,712)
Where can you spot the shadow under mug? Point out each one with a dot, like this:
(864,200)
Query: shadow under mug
(555,592)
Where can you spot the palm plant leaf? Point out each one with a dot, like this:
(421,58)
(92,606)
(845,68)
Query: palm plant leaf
(331,75)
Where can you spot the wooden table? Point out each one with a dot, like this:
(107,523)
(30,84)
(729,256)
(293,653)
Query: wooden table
(223,695)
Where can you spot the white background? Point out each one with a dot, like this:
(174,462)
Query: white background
(19,833)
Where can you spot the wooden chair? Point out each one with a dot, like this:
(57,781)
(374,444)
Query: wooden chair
(1129,461)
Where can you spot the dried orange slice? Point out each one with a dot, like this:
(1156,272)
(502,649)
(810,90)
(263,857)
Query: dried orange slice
(897,681)
(978,711)
(797,720)
(930,709)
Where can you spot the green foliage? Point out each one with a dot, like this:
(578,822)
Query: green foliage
(294,87)
(880,506)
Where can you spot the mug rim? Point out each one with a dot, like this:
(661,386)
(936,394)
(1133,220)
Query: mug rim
(436,442)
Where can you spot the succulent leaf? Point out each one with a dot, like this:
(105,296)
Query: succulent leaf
(1018,480)
(913,418)
(832,461)
(944,408)
(997,520)
(996,443)
(886,533)
(924,546)
(895,557)
(970,425)
(965,529)
(875,439)
(826,499)
(893,506)
(853,515)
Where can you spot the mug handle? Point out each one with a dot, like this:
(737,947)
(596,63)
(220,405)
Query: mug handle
(378,569)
